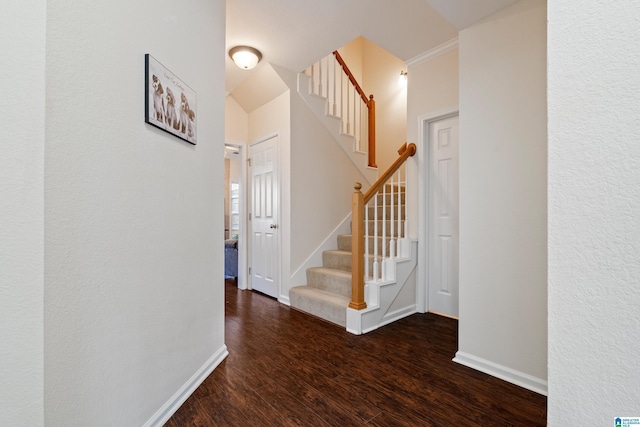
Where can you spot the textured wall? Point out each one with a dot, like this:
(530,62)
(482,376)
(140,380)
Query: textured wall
(503,193)
(134,301)
(594,211)
(22,31)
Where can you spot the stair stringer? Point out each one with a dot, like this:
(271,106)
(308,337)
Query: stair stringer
(380,296)
(318,105)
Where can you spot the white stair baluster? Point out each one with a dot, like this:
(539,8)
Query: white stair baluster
(348,108)
(366,246)
(375,240)
(406,193)
(320,78)
(335,84)
(327,73)
(392,243)
(399,213)
(342,99)
(384,232)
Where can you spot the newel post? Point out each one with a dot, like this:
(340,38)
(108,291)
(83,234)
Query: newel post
(357,249)
(372,132)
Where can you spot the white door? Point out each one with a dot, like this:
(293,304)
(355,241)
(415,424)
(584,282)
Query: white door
(443,216)
(264,214)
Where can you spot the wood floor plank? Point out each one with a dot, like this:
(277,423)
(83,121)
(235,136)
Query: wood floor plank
(286,368)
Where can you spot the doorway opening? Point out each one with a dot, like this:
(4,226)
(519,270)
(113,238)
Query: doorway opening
(234,213)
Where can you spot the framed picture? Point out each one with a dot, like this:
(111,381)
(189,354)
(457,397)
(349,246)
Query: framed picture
(169,104)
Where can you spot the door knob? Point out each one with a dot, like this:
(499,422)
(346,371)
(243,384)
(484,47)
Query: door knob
(273,226)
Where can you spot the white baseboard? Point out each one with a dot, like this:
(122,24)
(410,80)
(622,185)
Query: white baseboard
(504,373)
(284,300)
(173,404)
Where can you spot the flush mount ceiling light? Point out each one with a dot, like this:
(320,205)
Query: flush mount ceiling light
(245,57)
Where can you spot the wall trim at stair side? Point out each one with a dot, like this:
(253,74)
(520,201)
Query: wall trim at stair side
(504,373)
(173,404)
(433,53)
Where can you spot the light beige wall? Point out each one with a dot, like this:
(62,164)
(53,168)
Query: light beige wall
(381,71)
(503,192)
(377,71)
(236,121)
(432,87)
(269,118)
(353,53)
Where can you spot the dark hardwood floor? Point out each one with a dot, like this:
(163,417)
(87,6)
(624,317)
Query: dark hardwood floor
(286,368)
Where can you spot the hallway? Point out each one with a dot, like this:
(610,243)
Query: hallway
(288,369)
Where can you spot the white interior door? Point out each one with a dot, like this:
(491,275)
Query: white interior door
(443,216)
(264,217)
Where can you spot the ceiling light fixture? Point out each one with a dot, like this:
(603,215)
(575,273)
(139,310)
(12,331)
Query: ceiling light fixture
(245,57)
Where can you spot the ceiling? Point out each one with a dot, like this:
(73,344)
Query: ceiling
(295,33)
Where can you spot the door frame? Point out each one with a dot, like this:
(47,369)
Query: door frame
(423,153)
(249,225)
(242,238)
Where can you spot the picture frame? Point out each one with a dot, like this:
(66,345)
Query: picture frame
(170,104)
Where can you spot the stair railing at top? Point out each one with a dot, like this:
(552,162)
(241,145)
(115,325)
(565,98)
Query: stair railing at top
(390,186)
(332,79)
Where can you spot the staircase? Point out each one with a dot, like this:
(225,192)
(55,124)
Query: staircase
(377,286)
(328,290)
(337,100)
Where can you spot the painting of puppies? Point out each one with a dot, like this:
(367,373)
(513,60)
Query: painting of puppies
(172,117)
(158,99)
(187,116)
(163,108)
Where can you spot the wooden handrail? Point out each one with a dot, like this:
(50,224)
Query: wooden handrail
(352,79)
(405,152)
(371,109)
(358,203)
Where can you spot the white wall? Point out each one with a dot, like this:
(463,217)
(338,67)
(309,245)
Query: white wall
(594,212)
(134,297)
(22,31)
(503,198)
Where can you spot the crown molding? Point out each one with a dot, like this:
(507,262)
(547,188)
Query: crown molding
(434,53)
